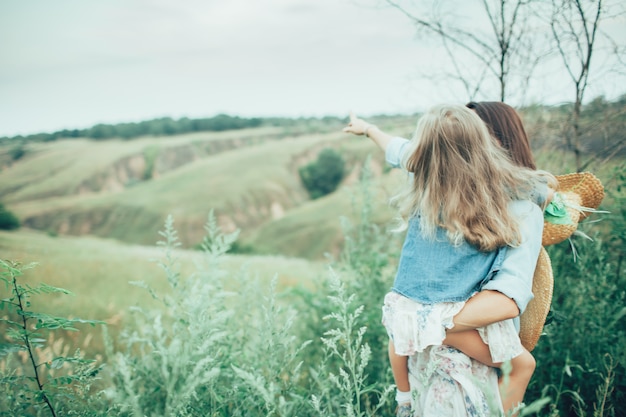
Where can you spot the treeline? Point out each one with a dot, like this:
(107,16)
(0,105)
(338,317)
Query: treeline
(165,126)
(601,128)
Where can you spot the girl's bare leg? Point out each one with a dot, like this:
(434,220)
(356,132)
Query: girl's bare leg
(400,370)
(486,307)
(513,390)
(523,366)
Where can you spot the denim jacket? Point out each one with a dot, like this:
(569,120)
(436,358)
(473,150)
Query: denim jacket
(433,270)
(437,271)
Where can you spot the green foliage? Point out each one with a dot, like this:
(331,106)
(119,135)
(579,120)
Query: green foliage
(369,254)
(150,155)
(324,175)
(221,343)
(8,220)
(354,352)
(351,390)
(177,349)
(17,152)
(208,351)
(165,126)
(581,361)
(199,355)
(45,384)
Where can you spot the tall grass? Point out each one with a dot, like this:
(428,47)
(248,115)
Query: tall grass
(223,342)
(581,358)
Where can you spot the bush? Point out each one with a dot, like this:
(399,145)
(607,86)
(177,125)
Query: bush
(8,220)
(17,152)
(324,175)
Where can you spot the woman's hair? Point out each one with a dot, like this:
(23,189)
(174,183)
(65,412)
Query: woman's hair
(462,180)
(506,126)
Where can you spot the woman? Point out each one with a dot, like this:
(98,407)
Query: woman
(470,317)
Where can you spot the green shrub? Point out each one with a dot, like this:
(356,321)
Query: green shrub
(17,152)
(8,220)
(150,154)
(174,357)
(351,325)
(324,175)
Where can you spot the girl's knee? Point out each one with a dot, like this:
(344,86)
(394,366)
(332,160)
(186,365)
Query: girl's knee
(524,363)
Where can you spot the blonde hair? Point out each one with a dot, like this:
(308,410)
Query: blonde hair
(462,180)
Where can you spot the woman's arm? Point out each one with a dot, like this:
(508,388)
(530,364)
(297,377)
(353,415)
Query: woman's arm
(484,308)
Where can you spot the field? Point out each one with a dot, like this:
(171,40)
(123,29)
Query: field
(259,311)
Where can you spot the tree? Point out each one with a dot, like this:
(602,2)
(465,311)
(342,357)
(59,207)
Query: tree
(8,220)
(575,27)
(499,44)
(504,54)
(324,175)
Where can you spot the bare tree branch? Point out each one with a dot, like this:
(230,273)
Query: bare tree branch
(494,50)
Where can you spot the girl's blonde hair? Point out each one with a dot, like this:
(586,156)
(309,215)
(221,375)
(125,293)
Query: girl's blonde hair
(463,181)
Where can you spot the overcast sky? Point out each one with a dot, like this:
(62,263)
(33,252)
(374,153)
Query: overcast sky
(75,63)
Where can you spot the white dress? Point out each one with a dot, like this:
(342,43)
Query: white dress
(444,381)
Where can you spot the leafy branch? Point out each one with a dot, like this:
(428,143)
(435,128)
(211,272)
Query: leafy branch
(24,335)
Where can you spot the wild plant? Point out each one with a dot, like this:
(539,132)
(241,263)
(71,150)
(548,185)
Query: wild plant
(36,379)
(365,266)
(207,350)
(581,361)
(344,389)
(369,258)
(175,355)
(270,369)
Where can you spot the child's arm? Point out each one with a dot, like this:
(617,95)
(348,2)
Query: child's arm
(361,127)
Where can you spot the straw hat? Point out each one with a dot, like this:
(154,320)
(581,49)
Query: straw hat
(557,232)
(587,186)
(577,194)
(534,317)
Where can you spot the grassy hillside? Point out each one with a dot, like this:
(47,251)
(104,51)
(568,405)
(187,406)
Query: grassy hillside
(98,271)
(79,192)
(314,229)
(124,189)
(81,187)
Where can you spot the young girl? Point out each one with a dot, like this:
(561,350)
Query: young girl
(461,216)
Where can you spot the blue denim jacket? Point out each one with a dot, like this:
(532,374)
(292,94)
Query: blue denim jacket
(437,271)
(434,271)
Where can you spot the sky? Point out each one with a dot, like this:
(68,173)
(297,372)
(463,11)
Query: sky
(75,63)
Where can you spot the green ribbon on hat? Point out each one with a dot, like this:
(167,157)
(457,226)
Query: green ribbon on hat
(556,212)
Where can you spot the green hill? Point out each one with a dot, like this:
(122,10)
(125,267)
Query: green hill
(124,189)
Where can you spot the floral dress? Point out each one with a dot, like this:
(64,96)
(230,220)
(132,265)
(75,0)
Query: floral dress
(444,381)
